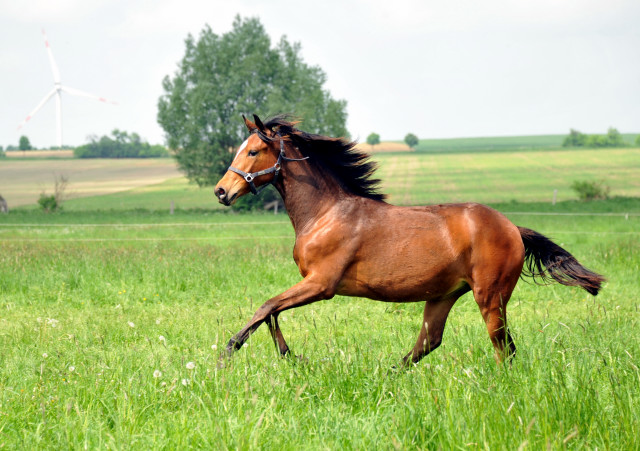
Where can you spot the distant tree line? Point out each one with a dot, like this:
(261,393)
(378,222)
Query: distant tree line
(613,138)
(119,145)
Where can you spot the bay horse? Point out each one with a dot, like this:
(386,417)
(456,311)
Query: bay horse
(349,241)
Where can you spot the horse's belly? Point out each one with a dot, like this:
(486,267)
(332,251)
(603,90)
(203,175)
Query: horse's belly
(409,282)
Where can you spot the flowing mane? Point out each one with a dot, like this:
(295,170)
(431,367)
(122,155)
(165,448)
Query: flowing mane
(350,167)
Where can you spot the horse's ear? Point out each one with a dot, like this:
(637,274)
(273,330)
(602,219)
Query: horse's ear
(259,123)
(250,125)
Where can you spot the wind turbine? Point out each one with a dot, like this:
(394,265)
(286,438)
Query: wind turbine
(58,88)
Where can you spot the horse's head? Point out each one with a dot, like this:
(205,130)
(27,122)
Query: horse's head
(256,164)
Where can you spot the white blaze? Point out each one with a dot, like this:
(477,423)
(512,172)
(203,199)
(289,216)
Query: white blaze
(242,146)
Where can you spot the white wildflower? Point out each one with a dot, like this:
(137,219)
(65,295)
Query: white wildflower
(214,347)
(158,321)
(162,339)
(72,369)
(131,324)
(157,374)
(45,355)
(190,365)
(185,382)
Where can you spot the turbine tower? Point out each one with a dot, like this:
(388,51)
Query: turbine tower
(58,88)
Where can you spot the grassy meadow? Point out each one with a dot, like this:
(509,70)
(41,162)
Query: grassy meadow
(114,313)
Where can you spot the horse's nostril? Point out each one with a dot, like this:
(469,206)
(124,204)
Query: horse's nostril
(221,193)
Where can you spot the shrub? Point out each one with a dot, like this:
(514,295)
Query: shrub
(590,190)
(48,203)
(53,202)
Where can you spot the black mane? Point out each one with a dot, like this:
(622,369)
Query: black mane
(350,167)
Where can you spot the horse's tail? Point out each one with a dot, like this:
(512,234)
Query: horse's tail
(546,260)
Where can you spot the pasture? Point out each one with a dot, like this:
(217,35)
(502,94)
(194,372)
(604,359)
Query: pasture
(113,318)
(22,180)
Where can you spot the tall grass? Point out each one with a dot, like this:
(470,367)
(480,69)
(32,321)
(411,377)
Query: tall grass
(84,308)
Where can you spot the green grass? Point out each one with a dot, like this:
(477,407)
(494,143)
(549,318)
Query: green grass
(87,293)
(499,143)
(70,291)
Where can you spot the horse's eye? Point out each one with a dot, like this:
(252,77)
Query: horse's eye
(253,153)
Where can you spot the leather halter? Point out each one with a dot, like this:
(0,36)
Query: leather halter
(249,177)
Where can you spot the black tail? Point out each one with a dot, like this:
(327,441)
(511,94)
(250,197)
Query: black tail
(545,259)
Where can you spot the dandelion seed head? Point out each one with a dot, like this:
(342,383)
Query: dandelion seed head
(157,374)
(190,365)
(45,355)
(72,369)
(214,347)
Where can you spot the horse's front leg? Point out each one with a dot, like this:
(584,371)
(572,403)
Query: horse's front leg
(276,334)
(309,290)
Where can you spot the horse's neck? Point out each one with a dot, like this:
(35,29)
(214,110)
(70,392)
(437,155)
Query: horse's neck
(307,193)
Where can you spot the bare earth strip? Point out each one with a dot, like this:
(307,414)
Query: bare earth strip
(384,146)
(22,181)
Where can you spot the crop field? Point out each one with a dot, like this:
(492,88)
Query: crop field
(114,316)
(22,180)
(409,179)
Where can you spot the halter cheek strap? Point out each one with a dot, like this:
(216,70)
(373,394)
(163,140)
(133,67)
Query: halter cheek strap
(249,177)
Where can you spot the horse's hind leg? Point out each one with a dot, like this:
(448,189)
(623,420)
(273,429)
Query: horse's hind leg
(493,306)
(276,334)
(430,337)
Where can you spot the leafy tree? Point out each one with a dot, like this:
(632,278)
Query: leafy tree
(614,138)
(223,76)
(411,140)
(574,139)
(24,143)
(120,145)
(373,139)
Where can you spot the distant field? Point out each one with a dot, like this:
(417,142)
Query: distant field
(409,178)
(40,154)
(421,178)
(23,180)
(532,175)
(498,143)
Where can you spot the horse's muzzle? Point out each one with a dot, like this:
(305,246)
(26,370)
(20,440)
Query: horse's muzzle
(223,196)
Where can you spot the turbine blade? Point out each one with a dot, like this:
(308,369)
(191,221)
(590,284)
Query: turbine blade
(77,92)
(54,66)
(36,109)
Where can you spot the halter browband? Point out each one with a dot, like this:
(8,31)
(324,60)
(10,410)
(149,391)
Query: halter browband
(251,176)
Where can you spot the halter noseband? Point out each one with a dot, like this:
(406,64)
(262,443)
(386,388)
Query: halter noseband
(251,176)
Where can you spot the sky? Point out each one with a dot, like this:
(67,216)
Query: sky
(438,69)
